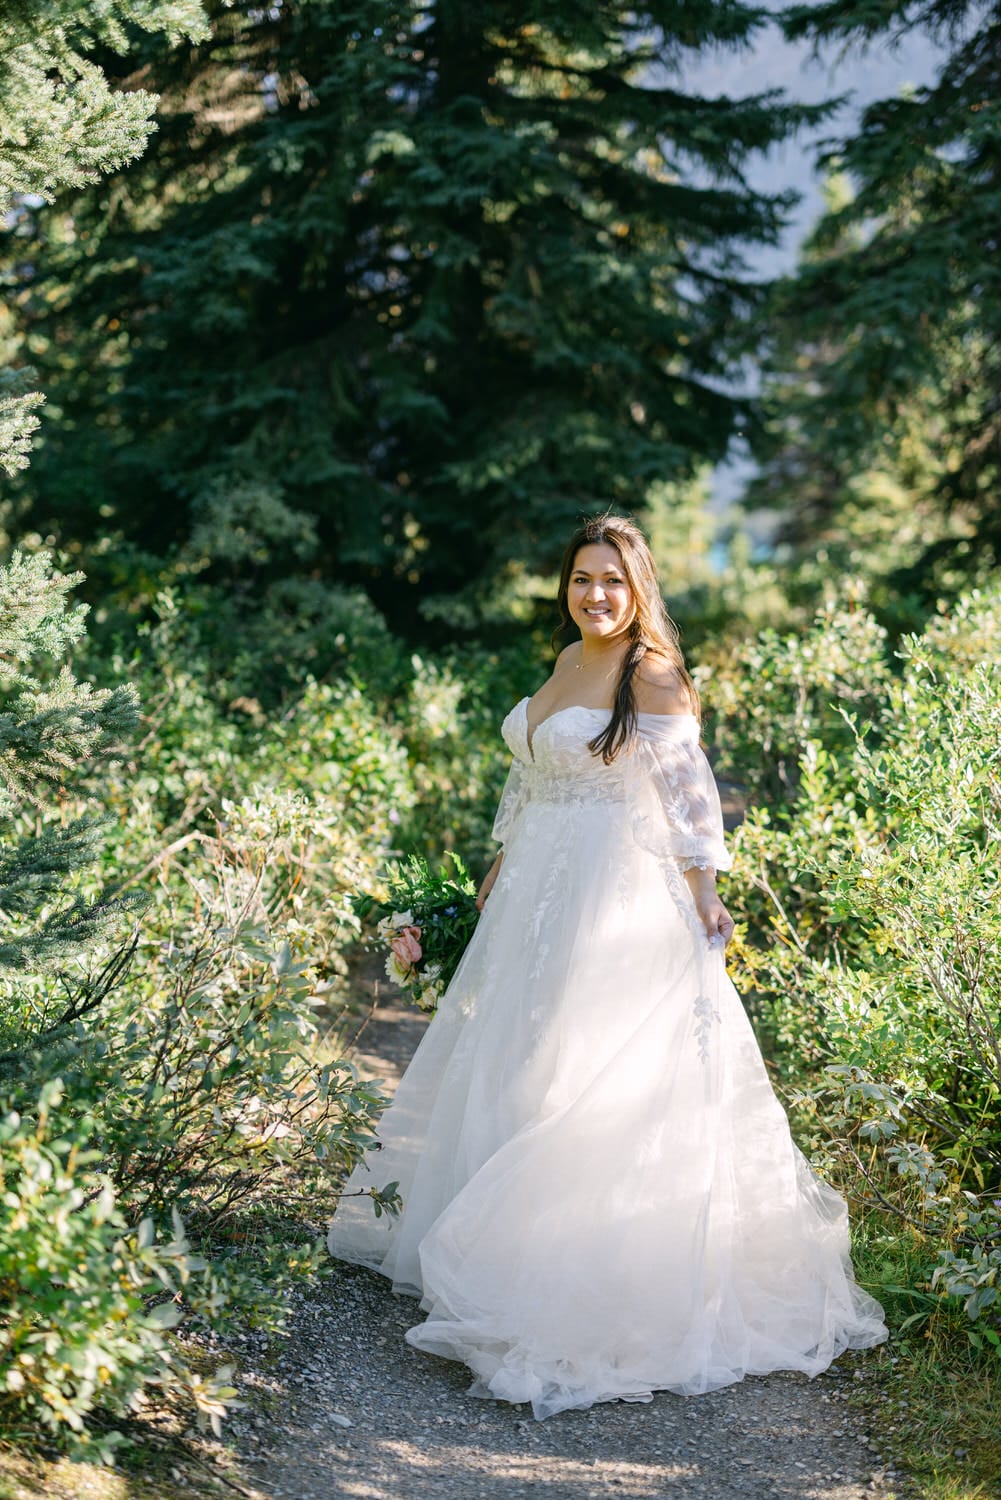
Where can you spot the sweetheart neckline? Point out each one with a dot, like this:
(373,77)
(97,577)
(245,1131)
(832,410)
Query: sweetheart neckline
(530,733)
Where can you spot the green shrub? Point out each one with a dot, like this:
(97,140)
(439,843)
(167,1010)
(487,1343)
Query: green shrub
(873,945)
(450,725)
(261,643)
(779,693)
(205,1115)
(230,1103)
(192,1095)
(79,1331)
(199,1097)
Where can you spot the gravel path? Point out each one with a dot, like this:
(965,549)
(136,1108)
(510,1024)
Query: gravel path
(348,1409)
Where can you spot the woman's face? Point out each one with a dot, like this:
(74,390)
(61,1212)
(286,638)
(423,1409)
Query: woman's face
(599,599)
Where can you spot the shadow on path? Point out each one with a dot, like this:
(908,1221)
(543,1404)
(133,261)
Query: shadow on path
(369,1417)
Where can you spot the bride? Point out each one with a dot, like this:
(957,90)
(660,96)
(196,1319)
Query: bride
(601,1197)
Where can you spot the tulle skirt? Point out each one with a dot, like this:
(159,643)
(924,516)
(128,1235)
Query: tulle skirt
(601,1197)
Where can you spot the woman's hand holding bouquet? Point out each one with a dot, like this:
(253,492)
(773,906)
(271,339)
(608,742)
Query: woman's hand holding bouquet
(425,923)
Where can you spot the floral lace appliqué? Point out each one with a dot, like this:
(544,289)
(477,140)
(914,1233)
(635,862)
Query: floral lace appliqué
(705,1015)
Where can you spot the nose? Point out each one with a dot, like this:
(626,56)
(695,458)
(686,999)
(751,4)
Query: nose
(595,593)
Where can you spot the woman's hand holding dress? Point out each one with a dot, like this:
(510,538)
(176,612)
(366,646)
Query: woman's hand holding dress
(712,913)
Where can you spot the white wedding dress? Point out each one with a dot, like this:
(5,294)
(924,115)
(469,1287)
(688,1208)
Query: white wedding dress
(601,1197)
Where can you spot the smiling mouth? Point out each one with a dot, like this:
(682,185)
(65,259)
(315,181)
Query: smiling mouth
(597,611)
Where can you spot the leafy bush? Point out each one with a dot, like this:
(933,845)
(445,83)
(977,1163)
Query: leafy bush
(231,1104)
(204,762)
(257,643)
(182,1085)
(199,1085)
(204,1116)
(873,943)
(79,1330)
(781,692)
(450,725)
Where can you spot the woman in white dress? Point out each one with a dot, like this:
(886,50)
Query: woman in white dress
(601,1197)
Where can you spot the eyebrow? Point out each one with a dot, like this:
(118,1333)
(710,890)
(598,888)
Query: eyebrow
(610,569)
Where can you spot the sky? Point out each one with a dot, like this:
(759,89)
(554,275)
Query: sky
(774,63)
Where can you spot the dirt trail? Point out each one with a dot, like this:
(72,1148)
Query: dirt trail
(352,1411)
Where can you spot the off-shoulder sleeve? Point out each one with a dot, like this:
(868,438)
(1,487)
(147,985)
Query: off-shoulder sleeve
(515,796)
(674,802)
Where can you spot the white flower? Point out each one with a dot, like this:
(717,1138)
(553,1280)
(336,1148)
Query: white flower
(432,972)
(392,924)
(398,972)
(429,996)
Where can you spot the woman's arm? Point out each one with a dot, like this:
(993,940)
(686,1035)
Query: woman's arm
(488,881)
(714,915)
(678,814)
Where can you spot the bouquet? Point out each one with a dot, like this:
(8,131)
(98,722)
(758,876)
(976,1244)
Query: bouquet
(425,923)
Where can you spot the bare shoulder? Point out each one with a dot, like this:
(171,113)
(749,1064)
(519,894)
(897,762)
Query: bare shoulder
(568,658)
(660,688)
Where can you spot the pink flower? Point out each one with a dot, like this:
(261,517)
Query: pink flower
(405,945)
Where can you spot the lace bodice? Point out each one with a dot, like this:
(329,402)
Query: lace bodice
(559,744)
(663,784)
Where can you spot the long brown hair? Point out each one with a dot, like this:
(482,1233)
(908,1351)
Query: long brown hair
(651,631)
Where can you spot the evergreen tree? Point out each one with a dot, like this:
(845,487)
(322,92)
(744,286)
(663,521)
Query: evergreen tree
(52,727)
(399,291)
(889,337)
(61,125)
(845,505)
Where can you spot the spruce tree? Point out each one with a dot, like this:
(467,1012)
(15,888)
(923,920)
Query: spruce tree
(890,333)
(397,292)
(60,122)
(843,505)
(51,728)
(61,125)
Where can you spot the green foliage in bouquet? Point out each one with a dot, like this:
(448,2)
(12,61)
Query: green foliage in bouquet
(425,922)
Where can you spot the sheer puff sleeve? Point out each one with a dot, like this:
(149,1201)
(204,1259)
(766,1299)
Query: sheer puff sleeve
(516,793)
(674,802)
